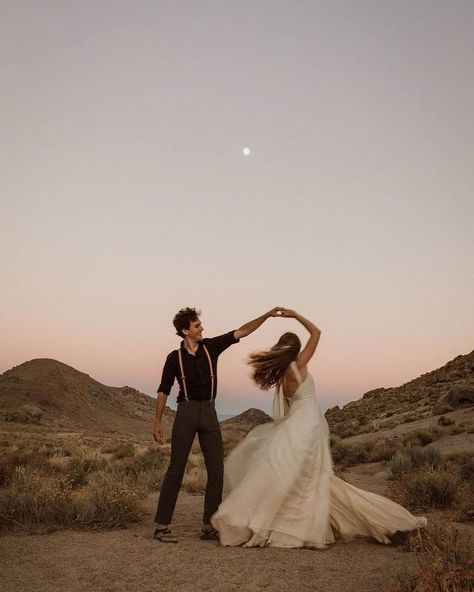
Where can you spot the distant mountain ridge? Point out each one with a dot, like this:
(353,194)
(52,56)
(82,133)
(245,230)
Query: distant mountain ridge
(57,395)
(251,416)
(62,396)
(433,393)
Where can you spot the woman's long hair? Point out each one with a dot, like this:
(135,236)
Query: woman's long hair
(269,366)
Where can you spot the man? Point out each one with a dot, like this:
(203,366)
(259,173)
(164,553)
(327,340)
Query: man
(194,365)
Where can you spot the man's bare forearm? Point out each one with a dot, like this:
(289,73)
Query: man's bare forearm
(160,407)
(253,325)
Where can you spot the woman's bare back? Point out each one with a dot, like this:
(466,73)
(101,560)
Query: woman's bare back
(289,381)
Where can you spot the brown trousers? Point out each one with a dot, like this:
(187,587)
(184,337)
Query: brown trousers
(193,417)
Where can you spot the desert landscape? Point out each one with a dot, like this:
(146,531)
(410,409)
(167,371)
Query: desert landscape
(80,475)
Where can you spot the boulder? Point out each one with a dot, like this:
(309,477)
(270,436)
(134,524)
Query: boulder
(24,414)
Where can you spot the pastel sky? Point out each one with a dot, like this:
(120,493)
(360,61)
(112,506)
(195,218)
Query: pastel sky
(125,194)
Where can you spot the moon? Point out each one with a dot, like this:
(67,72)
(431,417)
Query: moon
(246,151)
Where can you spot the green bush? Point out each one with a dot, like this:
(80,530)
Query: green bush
(412,457)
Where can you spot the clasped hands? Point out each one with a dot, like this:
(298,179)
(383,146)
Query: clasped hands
(280,311)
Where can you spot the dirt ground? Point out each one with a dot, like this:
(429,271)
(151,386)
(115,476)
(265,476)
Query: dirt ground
(129,559)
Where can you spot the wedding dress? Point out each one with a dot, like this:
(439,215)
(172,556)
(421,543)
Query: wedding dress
(283,492)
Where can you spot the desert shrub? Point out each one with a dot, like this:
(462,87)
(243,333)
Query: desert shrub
(424,456)
(83,465)
(24,457)
(467,470)
(124,450)
(410,457)
(58,451)
(444,562)
(465,464)
(440,408)
(33,500)
(423,436)
(24,414)
(146,468)
(430,488)
(445,421)
(195,480)
(150,480)
(400,463)
(460,394)
(109,501)
(348,432)
(346,455)
(381,451)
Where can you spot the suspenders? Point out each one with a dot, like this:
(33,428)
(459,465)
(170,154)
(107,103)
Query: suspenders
(183,377)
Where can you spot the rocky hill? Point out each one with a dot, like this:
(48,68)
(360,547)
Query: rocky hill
(54,394)
(252,416)
(432,394)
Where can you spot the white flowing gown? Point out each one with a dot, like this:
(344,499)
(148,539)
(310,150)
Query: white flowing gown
(283,490)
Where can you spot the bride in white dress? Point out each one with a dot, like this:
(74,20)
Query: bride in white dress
(283,489)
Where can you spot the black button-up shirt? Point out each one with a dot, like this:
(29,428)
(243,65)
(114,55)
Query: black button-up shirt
(196,368)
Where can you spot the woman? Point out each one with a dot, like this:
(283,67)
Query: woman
(283,490)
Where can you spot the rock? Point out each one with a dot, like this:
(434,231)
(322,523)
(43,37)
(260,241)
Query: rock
(373,393)
(24,414)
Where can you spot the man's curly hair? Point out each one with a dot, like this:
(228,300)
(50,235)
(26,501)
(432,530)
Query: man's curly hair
(183,319)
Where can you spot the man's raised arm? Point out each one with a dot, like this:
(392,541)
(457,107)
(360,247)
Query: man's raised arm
(251,326)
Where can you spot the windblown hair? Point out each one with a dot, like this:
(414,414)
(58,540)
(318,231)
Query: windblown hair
(183,318)
(269,366)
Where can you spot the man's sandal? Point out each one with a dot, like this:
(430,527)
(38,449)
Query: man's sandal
(164,536)
(210,534)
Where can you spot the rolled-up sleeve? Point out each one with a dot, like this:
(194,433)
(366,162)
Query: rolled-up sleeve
(168,375)
(222,342)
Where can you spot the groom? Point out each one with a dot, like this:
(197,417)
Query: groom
(194,366)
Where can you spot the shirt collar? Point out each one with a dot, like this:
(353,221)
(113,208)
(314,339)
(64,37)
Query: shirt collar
(186,351)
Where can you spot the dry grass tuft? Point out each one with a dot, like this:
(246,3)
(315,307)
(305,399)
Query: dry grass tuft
(195,480)
(42,487)
(109,501)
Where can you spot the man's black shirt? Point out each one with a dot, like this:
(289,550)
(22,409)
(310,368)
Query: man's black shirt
(196,368)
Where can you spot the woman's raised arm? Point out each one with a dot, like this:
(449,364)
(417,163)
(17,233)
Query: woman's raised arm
(307,352)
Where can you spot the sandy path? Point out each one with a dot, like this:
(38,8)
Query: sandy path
(125,560)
